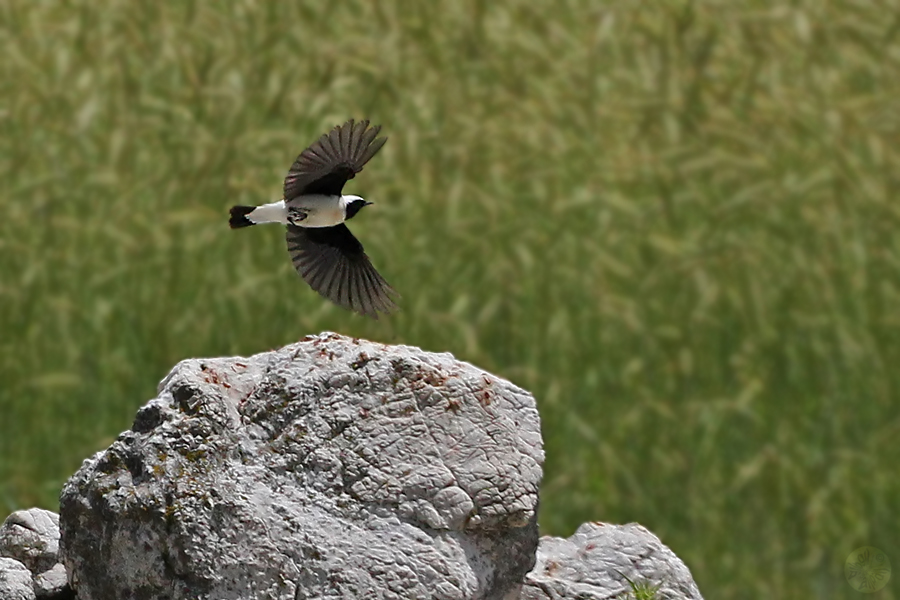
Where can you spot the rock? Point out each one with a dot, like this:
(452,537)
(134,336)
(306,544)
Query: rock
(15,580)
(52,583)
(31,537)
(330,468)
(596,560)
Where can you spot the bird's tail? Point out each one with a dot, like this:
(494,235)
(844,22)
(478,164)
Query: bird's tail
(239,216)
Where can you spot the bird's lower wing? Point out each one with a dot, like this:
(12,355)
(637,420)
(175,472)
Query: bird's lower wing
(334,264)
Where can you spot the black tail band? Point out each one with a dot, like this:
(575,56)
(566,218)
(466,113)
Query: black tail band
(239,216)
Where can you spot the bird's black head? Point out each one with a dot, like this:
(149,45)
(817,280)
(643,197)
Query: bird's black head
(355,206)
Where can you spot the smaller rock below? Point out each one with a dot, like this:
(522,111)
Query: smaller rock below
(15,580)
(52,583)
(599,559)
(32,538)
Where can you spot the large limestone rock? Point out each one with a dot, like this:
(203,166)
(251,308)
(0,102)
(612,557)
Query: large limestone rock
(331,468)
(599,560)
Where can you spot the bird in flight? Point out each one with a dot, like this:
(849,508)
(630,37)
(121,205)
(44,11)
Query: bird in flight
(322,249)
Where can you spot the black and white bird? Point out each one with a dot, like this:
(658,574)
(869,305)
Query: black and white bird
(322,249)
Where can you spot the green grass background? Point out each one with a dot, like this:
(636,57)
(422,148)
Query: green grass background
(675,222)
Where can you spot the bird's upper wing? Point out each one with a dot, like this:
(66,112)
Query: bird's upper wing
(328,163)
(333,263)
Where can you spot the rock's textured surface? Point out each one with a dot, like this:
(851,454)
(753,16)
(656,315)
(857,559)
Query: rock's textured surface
(31,537)
(330,468)
(596,560)
(52,583)
(15,580)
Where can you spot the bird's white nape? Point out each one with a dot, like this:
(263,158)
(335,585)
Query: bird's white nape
(348,198)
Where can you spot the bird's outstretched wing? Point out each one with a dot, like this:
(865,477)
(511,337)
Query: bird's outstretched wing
(333,263)
(328,163)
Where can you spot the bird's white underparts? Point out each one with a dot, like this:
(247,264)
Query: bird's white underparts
(328,257)
(313,210)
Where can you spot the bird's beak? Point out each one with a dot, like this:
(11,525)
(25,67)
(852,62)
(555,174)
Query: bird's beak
(368,204)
